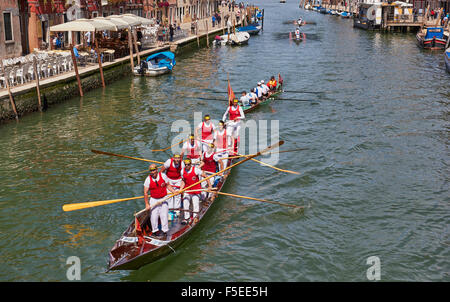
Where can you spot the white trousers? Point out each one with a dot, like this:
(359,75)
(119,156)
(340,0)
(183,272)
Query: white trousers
(187,199)
(162,212)
(221,156)
(175,202)
(235,127)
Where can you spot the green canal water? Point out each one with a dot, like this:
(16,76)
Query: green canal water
(371,109)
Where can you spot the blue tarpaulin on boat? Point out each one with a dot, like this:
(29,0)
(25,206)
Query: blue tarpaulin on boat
(164,59)
(434,32)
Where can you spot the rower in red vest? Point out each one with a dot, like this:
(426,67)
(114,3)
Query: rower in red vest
(193,149)
(155,187)
(236,114)
(172,167)
(192,175)
(209,165)
(222,141)
(205,130)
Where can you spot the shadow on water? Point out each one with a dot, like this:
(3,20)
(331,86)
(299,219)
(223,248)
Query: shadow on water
(294,22)
(285,36)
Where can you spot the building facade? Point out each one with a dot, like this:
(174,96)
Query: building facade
(25,24)
(10,29)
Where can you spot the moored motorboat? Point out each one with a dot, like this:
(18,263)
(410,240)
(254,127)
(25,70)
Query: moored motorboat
(432,38)
(156,64)
(345,14)
(252,29)
(238,38)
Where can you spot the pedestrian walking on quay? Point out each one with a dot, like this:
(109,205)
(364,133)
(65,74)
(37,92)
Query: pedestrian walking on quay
(171,33)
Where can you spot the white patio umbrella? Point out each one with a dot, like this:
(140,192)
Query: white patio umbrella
(83,25)
(144,21)
(130,20)
(119,24)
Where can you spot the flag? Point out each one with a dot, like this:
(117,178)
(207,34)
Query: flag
(230,94)
(138,229)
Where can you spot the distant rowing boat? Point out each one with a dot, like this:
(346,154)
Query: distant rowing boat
(265,100)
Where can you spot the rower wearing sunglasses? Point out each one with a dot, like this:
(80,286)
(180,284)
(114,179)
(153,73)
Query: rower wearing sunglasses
(155,187)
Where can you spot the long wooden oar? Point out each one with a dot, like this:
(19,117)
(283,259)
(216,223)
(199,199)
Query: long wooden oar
(284,151)
(273,167)
(212,175)
(165,149)
(257,199)
(124,156)
(91,204)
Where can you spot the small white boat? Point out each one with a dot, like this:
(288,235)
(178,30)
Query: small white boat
(282,1)
(239,38)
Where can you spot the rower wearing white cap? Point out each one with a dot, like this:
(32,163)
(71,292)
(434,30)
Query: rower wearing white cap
(253,97)
(259,90)
(265,89)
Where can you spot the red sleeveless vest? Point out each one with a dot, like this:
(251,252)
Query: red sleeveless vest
(172,172)
(190,179)
(234,114)
(222,140)
(157,188)
(193,152)
(206,132)
(210,163)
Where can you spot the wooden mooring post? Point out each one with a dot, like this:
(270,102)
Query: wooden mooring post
(130,46)
(207,33)
(11,99)
(262,22)
(196,33)
(136,47)
(36,76)
(75,68)
(99,58)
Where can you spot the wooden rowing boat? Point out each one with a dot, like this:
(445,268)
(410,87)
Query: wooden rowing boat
(265,100)
(136,249)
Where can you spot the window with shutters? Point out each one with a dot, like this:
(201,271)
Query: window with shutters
(7,26)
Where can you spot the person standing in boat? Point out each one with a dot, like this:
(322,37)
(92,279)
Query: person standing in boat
(155,189)
(172,169)
(209,165)
(205,130)
(236,114)
(191,175)
(222,141)
(193,150)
